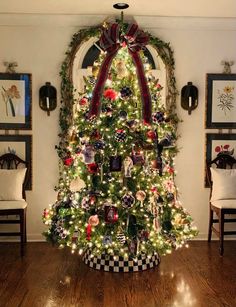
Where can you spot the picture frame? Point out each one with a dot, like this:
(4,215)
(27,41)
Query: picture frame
(220,101)
(15,101)
(217,143)
(21,145)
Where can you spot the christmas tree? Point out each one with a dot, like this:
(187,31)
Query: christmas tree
(116,192)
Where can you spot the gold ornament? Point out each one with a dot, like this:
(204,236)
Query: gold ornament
(121,70)
(95,70)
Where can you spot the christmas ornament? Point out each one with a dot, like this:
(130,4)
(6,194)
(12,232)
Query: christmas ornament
(151,135)
(120,135)
(157,163)
(125,92)
(92,168)
(121,70)
(133,247)
(100,144)
(85,203)
(68,161)
(137,157)
(132,226)
(170,197)
(166,141)
(91,80)
(128,201)
(93,220)
(123,114)
(95,70)
(141,195)
(77,185)
(107,110)
(110,94)
(158,117)
(88,232)
(75,236)
(88,154)
(120,237)
(132,124)
(115,163)
(107,240)
(143,235)
(128,165)
(73,137)
(95,134)
(111,214)
(83,101)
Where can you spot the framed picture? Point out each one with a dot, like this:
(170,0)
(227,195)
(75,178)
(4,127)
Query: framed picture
(219,143)
(15,101)
(21,145)
(221,101)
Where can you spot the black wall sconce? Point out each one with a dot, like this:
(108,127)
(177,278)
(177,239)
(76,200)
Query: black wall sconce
(189,97)
(48,98)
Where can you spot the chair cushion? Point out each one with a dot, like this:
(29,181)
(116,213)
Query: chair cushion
(11,182)
(224,203)
(12,204)
(224,184)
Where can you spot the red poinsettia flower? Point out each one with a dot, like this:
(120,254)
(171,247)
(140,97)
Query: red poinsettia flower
(92,168)
(110,94)
(68,161)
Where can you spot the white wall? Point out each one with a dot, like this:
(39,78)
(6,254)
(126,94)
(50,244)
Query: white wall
(197,49)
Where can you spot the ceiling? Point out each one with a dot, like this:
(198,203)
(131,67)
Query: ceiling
(180,8)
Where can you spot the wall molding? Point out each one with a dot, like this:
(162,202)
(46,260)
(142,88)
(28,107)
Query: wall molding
(147,22)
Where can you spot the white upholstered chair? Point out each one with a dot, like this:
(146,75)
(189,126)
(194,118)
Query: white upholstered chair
(13,180)
(221,176)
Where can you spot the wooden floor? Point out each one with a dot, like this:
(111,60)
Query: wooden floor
(48,277)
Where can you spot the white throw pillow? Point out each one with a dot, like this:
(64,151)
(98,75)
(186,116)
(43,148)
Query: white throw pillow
(11,182)
(224,184)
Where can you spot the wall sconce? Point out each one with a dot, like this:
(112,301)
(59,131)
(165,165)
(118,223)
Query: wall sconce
(189,97)
(48,98)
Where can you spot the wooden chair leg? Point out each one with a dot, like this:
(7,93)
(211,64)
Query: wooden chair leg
(210,224)
(22,231)
(221,231)
(25,233)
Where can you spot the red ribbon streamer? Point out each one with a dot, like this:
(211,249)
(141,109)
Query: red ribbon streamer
(110,42)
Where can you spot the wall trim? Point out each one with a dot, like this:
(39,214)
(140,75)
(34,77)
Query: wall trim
(147,22)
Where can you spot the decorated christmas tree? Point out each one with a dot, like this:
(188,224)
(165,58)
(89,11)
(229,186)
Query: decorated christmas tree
(116,194)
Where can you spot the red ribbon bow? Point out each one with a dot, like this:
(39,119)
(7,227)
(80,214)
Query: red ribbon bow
(111,42)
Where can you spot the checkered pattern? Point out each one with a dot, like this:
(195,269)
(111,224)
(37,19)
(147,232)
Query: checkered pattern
(120,135)
(158,117)
(125,92)
(128,201)
(109,264)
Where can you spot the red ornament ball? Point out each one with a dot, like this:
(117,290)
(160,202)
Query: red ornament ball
(92,168)
(68,161)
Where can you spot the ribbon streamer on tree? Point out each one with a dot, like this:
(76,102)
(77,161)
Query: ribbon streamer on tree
(111,41)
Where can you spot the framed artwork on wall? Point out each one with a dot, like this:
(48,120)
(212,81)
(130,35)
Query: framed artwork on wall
(221,101)
(21,145)
(217,143)
(15,101)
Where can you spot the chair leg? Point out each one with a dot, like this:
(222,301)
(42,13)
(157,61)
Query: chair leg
(221,230)
(210,224)
(22,231)
(25,233)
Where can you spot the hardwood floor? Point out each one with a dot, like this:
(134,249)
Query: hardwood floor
(49,277)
